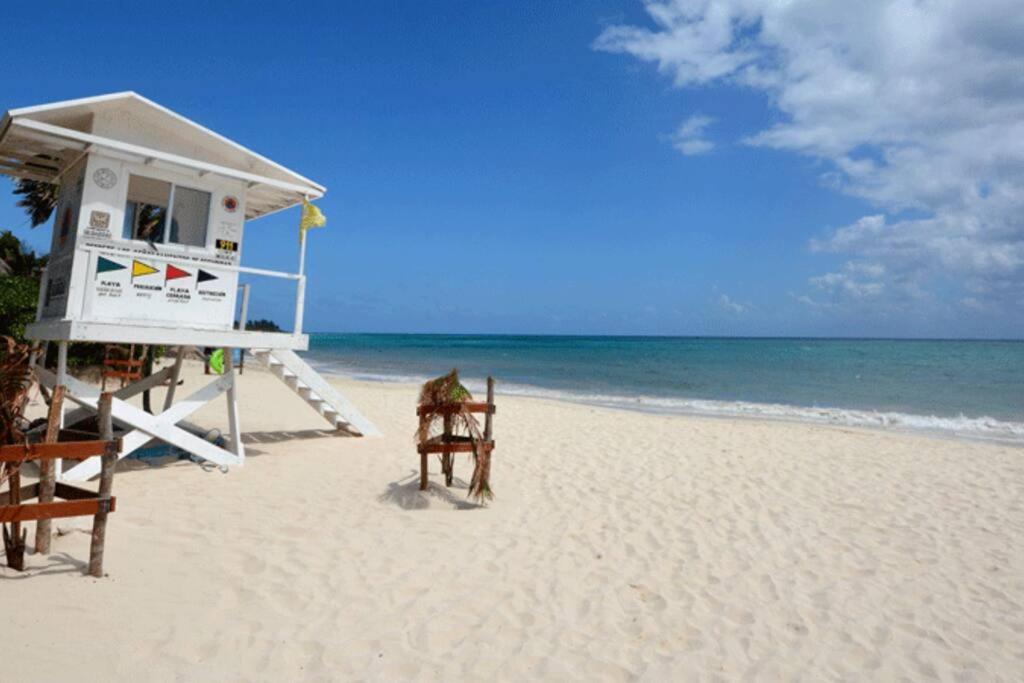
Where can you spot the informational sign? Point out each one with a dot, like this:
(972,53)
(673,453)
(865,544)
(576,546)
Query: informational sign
(55,297)
(98,226)
(127,287)
(96,274)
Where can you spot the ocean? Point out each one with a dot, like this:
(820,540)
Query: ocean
(963,388)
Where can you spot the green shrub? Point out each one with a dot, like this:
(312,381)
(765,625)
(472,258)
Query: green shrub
(18,297)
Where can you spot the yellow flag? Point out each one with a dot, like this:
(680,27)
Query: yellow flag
(140,268)
(312,217)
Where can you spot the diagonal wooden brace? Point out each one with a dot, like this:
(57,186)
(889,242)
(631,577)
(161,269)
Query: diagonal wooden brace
(144,426)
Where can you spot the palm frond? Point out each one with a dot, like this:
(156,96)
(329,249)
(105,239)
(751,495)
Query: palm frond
(447,390)
(38,198)
(15,380)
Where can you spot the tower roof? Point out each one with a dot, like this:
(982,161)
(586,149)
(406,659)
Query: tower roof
(42,141)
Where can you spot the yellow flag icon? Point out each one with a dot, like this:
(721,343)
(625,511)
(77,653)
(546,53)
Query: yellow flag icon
(140,268)
(312,217)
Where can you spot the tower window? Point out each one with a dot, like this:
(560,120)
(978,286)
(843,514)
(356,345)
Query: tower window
(160,212)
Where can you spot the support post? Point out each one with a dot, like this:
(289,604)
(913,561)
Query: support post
(44,352)
(33,358)
(237,447)
(300,303)
(41,299)
(423,470)
(99,523)
(424,461)
(47,470)
(489,416)
(243,316)
(300,285)
(14,543)
(62,381)
(175,374)
(447,458)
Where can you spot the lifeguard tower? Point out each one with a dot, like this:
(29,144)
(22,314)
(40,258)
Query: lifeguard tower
(146,249)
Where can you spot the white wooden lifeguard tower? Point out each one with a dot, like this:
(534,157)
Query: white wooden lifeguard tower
(146,248)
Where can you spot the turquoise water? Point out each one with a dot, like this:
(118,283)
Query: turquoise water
(966,387)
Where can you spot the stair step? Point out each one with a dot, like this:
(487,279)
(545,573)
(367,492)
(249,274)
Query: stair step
(313,389)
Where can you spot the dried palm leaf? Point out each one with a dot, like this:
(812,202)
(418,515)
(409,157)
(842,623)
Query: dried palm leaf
(15,380)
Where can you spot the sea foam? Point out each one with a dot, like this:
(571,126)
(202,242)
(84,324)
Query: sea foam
(962,426)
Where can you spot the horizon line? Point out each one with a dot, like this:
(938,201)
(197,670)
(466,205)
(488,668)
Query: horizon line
(678,336)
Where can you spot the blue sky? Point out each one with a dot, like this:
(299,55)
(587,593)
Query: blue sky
(529,167)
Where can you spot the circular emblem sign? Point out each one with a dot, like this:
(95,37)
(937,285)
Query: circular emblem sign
(230,204)
(105,178)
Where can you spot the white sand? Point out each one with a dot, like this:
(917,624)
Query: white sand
(620,546)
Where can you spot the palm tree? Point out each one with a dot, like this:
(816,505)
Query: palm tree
(37,198)
(20,271)
(17,259)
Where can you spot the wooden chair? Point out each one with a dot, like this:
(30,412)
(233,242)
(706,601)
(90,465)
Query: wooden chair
(121,362)
(447,443)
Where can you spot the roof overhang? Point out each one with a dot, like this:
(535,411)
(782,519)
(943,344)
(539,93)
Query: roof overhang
(42,142)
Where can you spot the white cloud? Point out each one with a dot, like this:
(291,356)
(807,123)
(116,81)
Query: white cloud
(848,285)
(918,107)
(732,306)
(689,137)
(809,302)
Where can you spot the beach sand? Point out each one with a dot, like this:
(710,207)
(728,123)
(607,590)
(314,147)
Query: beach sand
(619,546)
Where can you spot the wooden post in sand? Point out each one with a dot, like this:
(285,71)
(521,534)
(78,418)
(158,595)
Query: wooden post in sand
(99,523)
(14,544)
(48,470)
(489,415)
(423,470)
(447,457)
(424,462)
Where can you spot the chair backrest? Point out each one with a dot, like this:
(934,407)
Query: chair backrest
(121,362)
(486,407)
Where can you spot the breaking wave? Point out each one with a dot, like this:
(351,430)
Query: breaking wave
(962,426)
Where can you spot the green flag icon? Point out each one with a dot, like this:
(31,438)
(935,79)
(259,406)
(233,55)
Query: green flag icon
(105,265)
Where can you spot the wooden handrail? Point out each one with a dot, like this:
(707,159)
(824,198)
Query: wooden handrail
(62,449)
(453,447)
(450,408)
(27,512)
(123,362)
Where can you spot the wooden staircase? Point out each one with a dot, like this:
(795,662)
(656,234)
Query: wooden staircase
(315,390)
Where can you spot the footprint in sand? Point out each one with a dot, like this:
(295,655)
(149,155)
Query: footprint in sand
(652,600)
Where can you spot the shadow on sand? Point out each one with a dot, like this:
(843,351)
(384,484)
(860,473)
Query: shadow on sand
(406,494)
(279,436)
(58,563)
(250,439)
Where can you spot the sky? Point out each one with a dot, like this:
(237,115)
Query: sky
(695,167)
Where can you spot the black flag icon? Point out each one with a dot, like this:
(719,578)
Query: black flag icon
(205,276)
